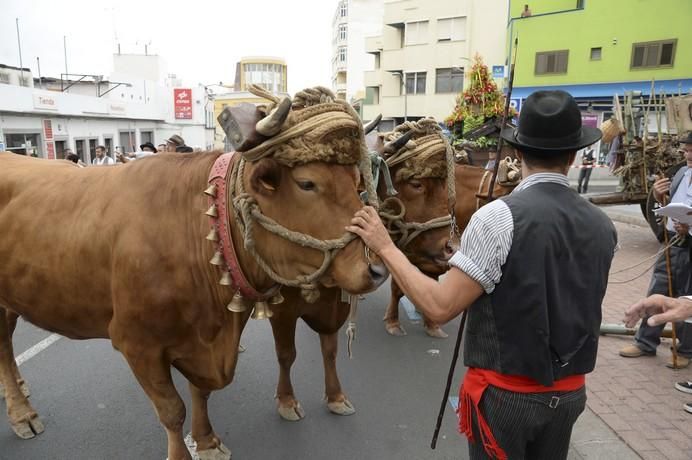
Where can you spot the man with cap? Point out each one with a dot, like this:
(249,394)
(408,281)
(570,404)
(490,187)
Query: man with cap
(173,142)
(677,190)
(532,270)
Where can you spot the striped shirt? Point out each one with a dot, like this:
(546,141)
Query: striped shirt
(487,239)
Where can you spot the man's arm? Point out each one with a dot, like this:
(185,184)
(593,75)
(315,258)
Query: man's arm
(439,301)
(664,310)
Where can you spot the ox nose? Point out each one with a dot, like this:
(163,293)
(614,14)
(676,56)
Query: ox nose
(449,250)
(378,273)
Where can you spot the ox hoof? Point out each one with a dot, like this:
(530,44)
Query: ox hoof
(293,413)
(341,407)
(436,332)
(29,427)
(396,330)
(219,453)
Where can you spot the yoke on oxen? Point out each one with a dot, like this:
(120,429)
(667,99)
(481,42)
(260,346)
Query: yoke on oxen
(141,244)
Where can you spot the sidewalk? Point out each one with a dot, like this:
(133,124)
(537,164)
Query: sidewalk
(634,397)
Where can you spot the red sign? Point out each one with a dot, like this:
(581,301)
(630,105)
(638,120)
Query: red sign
(48,130)
(182,103)
(50,150)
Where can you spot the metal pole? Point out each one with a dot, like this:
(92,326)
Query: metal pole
(38,64)
(64,45)
(403,80)
(19,45)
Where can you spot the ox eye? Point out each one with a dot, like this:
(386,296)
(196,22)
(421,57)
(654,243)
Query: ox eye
(306,185)
(416,185)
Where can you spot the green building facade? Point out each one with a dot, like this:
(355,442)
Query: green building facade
(595,49)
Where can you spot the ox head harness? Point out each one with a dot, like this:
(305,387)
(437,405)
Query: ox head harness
(428,143)
(320,115)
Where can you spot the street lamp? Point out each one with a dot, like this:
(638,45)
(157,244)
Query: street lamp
(401,75)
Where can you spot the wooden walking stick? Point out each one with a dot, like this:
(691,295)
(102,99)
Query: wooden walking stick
(457,345)
(669,272)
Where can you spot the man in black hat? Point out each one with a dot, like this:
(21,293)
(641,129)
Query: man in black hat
(677,190)
(533,268)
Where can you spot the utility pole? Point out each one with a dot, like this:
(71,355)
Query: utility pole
(21,65)
(64,45)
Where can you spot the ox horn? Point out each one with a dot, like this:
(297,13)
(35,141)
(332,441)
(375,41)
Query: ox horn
(217,259)
(276,299)
(372,125)
(396,144)
(272,123)
(212,212)
(238,304)
(213,235)
(261,311)
(225,279)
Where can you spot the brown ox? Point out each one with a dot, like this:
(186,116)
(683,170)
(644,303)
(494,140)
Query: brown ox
(472,183)
(136,232)
(422,188)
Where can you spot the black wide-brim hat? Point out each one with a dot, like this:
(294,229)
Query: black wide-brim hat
(149,145)
(550,121)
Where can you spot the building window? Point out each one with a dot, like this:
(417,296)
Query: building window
(416,33)
(146,136)
(551,62)
(4,78)
(342,54)
(449,80)
(415,83)
(372,95)
(344,9)
(653,54)
(596,54)
(377,61)
(451,29)
(342,32)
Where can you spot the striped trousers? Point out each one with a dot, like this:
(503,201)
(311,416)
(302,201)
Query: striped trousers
(528,426)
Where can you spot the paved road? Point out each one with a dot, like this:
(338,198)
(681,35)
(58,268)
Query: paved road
(93,408)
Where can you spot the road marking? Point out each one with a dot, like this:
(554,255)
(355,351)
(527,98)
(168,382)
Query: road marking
(36,349)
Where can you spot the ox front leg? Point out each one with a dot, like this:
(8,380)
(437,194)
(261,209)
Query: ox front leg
(336,399)
(12,324)
(153,372)
(23,418)
(209,446)
(391,316)
(284,330)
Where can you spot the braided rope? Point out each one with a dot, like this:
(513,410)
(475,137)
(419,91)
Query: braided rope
(247,212)
(407,231)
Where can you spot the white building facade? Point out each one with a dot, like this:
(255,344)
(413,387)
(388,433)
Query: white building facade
(422,57)
(353,21)
(132,107)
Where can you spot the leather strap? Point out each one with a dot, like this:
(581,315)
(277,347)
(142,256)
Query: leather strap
(219,176)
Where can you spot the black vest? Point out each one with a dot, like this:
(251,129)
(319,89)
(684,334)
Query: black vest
(542,320)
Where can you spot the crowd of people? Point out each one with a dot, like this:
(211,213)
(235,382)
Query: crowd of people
(175,143)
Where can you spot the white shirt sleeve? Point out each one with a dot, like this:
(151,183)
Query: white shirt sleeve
(485,245)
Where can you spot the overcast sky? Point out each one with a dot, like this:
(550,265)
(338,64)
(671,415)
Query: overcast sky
(201,40)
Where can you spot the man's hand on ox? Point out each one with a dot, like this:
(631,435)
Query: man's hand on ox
(660,308)
(366,223)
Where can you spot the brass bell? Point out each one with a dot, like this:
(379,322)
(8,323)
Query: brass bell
(237,304)
(211,212)
(261,311)
(213,235)
(225,279)
(211,190)
(276,299)
(217,259)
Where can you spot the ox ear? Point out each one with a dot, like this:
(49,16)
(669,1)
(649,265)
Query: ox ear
(266,176)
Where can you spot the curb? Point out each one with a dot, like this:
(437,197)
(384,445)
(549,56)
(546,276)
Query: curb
(627,218)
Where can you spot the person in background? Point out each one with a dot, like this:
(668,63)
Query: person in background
(526,13)
(648,337)
(184,149)
(161,148)
(173,142)
(587,164)
(101,158)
